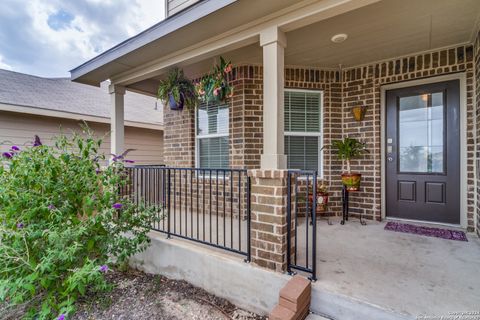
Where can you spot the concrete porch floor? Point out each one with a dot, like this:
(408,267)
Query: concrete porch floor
(404,273)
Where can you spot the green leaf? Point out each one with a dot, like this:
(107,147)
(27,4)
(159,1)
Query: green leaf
(90,244)
(58,252)
(81,288)
(30,287)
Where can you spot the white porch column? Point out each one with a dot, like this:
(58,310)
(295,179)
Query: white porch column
(273,42)
(117,128)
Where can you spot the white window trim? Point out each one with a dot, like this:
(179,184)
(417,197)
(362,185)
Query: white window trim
(205,136)
(312,134)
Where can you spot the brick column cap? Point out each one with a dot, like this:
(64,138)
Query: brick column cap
(270,173)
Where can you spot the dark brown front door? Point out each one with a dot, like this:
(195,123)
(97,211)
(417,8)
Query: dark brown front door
(423,152)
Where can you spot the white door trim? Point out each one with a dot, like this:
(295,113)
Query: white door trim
(463,136)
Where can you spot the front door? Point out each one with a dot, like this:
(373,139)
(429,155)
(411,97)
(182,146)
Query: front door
(423,152)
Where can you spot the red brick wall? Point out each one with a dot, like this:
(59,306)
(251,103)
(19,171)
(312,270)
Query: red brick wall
(477,105)
(179,139)
(246,129)
(329,82)
(361,86)
(342,90)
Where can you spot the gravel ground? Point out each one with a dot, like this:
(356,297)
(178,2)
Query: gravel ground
(137,295)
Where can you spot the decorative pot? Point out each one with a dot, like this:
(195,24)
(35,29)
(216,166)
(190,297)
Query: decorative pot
(351,181)
(323,198)
(176,105)
(359,112)
(322,201)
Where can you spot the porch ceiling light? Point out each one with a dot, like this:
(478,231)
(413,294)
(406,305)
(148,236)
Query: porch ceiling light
(339,38)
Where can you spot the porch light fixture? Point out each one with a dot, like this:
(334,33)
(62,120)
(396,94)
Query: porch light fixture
(339,38)
(359,112)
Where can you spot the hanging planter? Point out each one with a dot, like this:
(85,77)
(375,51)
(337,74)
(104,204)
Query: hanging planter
(176,105)
(359,112)
(177,91)
(215,87)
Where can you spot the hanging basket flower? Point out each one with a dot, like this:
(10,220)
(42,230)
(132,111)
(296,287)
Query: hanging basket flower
(177,91)
(215,87)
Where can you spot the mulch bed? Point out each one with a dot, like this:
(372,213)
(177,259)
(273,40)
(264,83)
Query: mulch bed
(137,295)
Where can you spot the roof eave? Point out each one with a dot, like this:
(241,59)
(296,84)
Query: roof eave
(154,33)
(24,109)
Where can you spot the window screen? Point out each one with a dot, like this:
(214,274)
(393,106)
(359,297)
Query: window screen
(303,129)
(212,136)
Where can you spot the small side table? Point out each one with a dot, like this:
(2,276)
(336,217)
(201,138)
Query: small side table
(345,207)
(320,213)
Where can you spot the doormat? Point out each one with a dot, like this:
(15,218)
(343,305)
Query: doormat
(426,231)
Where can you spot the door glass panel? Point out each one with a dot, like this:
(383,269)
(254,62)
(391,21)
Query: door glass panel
(421,133)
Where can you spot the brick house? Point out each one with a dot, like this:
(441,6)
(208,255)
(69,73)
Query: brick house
(299,68)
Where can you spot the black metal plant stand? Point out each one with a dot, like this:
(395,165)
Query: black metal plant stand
(345,207)
(330,223)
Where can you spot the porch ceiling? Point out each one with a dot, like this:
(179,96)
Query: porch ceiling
(383,30)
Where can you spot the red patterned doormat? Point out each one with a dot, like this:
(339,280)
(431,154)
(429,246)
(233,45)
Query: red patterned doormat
(426,231)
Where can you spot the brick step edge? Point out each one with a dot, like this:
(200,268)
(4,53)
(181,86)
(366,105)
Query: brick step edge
(297,290)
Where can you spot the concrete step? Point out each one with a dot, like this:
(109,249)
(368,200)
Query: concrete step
(340,307)
(312,316)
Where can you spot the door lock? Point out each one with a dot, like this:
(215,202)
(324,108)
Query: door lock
(390,159)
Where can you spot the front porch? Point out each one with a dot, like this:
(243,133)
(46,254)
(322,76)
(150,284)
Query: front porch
(289,50)
(386,44)
(404,273)
(364,272)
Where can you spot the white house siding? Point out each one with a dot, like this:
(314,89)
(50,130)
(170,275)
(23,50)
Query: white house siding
(20,128)
(174,6)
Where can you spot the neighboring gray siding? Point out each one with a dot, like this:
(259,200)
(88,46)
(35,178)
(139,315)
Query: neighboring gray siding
(174,6)
(19,129)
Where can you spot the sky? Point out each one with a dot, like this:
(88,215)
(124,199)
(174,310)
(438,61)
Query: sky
(48,38)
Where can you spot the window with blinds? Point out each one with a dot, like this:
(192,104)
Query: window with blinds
(303,129)
(212,136)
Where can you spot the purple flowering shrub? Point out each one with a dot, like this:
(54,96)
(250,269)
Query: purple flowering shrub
(63,223)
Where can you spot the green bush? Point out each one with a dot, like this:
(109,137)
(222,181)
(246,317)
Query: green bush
(62,223)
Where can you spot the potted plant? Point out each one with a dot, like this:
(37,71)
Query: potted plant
(348,149)
(215,86)
(322,197)
(177,90)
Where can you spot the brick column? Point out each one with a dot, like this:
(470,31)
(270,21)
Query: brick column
(179,138)
(269,218)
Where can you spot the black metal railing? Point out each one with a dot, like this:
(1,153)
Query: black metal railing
(209,206)
(301,222)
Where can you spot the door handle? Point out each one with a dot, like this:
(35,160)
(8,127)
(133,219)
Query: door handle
(390,159)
